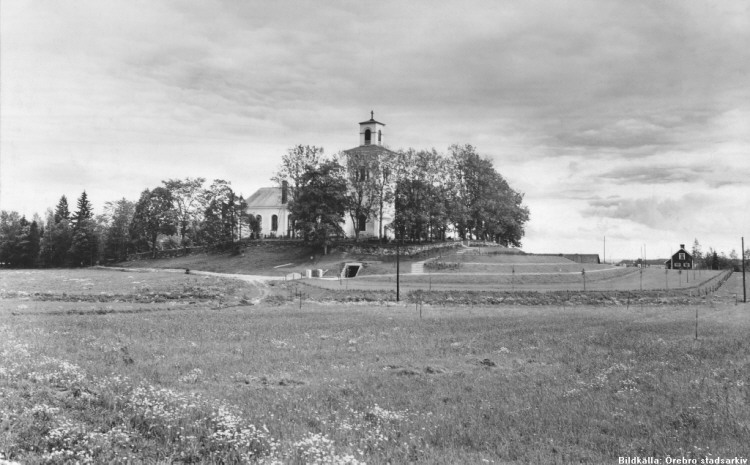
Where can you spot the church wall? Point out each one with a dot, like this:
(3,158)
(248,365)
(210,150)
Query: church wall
(266,214)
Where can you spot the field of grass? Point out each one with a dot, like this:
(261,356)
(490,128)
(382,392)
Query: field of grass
(612,279)
(105,290)
(486,255)
(352,383)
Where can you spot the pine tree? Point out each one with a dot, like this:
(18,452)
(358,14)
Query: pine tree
(61,211)
(84,211)
(84,247)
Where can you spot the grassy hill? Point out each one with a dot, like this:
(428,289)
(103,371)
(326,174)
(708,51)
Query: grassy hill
(271,259)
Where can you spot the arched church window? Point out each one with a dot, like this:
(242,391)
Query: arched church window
(362,223)
(260,221)
(274,223)
(368,136)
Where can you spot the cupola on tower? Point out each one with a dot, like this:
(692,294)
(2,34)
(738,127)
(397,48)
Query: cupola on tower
(371,132)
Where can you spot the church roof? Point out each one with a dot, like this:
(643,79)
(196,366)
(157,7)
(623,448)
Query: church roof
(265,197)
(372,120)
(368,150)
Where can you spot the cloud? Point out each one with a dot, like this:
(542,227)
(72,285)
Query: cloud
(576,102)
(665,213)
(658,173)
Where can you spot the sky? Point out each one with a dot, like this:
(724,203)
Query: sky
(625,120)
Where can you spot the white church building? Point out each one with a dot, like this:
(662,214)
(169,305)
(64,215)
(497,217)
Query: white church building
(270,204)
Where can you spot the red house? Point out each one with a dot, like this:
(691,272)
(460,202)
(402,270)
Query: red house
(681,260)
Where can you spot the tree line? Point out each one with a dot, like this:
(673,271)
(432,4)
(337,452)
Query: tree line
(178,213)
(432,194)
(714,260)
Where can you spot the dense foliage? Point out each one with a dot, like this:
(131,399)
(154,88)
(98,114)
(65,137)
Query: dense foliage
(432,195)
(180,213)
(714,260)
(319,205)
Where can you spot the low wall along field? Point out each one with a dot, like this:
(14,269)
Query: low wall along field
(139,366)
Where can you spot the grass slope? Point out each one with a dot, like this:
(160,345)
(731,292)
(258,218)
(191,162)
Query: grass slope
(268,260)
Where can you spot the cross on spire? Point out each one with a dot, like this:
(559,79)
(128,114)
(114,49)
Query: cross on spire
(372,114)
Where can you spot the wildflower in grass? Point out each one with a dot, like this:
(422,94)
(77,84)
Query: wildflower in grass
(278,344)
(192,376)
(319,449)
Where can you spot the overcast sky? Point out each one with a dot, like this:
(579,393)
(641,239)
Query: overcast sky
(625,119)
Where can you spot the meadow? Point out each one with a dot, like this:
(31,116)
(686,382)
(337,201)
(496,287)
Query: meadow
(92,371)
(597,277)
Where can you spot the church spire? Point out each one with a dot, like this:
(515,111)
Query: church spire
(371,132)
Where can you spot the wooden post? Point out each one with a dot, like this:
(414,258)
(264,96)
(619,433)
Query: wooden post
(696,322)
(398,271)
(583,273)
(641,277)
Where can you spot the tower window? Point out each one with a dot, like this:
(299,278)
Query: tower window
(380,136)
(363,174)
(368,136)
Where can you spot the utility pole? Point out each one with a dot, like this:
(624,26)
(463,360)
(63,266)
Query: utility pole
(744,289)
(605,249)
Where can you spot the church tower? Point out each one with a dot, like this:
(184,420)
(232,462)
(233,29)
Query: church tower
(364,163)
(371,132)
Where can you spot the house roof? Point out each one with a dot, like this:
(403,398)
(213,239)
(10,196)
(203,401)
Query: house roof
(679,251)
(265,197)
(368,150)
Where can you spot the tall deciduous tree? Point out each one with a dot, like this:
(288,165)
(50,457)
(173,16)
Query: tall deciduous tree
(117,241)
(486,206)
(11,234)
(56,241)
(218,224)
(294,164)
(421,195)
(154,214)
(363,193)
(384,181)
(320,203)
(187,195)
(697,253)
(30,246)
(19,241)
